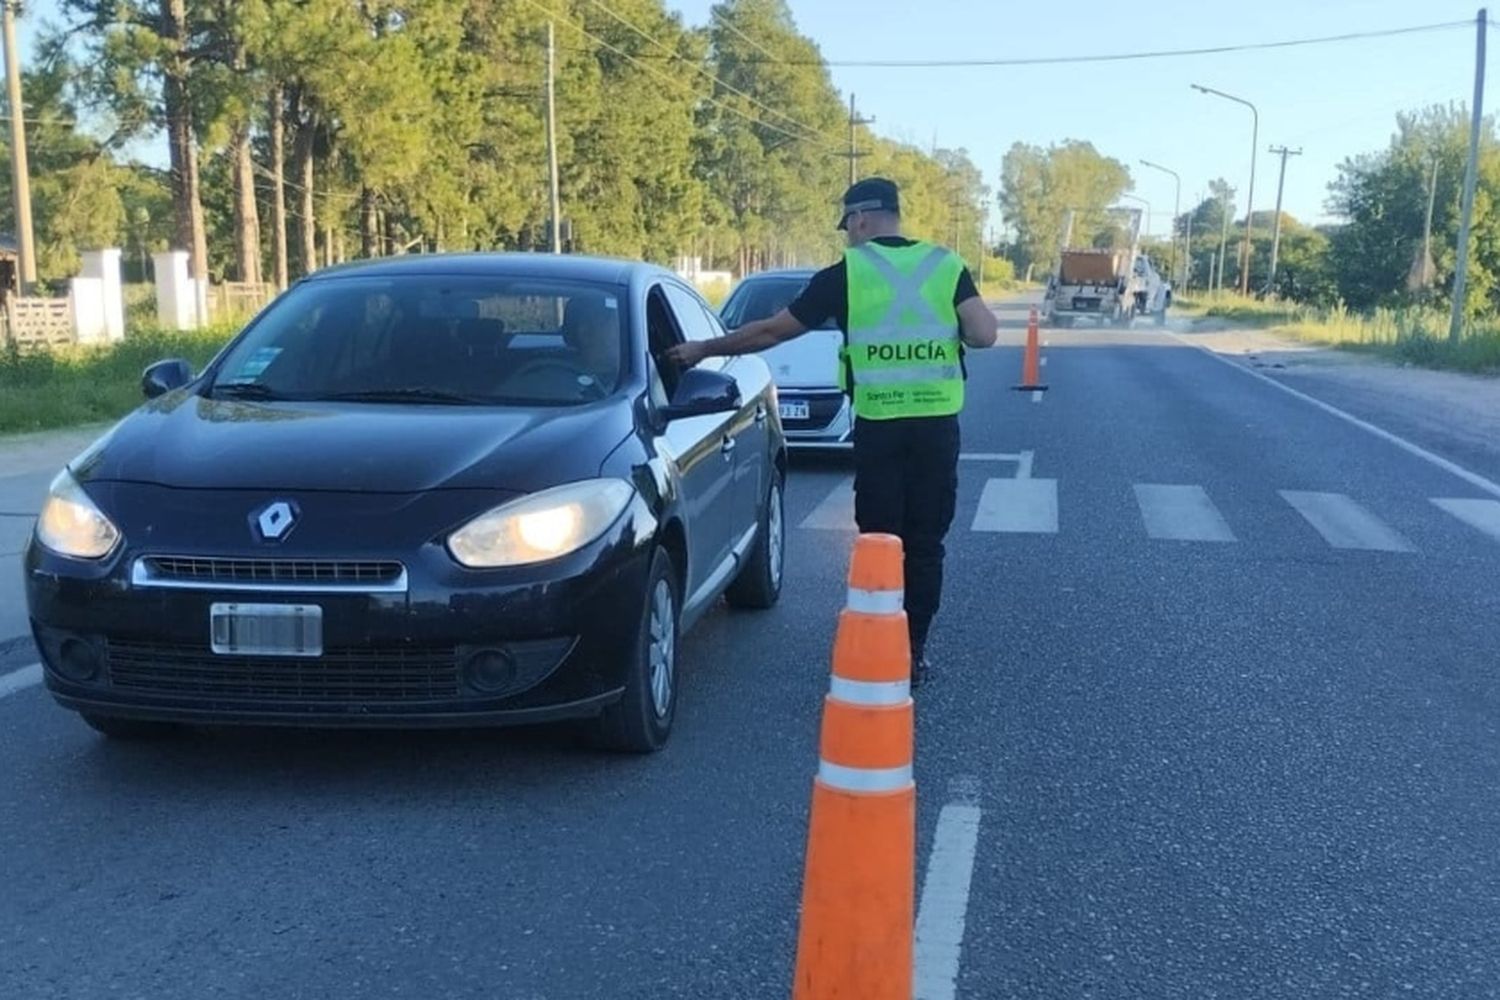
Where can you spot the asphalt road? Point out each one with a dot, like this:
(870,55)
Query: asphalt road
(1235,738)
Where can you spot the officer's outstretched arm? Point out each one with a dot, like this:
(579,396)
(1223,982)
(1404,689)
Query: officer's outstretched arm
(759,335)
(977,323)
(748,339)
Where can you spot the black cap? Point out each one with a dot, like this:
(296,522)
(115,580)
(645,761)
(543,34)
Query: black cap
(873,194)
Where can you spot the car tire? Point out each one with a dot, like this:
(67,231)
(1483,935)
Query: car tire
(641,720)
(758,586)
(130,730)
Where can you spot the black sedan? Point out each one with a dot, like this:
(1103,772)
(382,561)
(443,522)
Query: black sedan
(426,491)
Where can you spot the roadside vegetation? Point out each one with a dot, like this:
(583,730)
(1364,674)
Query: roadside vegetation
(1415,335)
(41,390)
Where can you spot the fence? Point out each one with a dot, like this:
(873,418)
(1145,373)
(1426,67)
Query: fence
(33,323)
(236,298)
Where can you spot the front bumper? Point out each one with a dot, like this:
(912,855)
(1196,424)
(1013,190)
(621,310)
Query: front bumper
(829,422)
(454,648)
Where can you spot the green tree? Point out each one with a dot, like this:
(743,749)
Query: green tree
(1040,187)
(1381,199)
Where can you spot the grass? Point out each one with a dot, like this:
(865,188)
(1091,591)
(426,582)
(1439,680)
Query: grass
(1414,336)
(41,390)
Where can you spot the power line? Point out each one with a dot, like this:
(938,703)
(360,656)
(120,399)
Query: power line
(670,79)
(703,72)
(1119,56)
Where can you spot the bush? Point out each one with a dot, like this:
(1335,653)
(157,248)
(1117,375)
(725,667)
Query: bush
(79,385)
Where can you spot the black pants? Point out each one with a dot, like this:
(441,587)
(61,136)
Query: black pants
(905,478)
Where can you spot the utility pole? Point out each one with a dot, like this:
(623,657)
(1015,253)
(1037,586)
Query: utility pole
(1223,238)
(20,169)
(1282,152)
(1187,263)
(854,155)
(556,224)
(1471,173)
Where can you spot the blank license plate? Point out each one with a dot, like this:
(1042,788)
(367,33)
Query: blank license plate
(794,409)
(266,629)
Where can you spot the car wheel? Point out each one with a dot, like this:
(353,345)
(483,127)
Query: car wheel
(759,583)
(136,730)
(641,720)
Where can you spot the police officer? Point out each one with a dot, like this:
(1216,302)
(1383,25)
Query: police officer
(906,308)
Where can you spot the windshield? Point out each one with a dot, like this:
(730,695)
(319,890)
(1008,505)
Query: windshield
(438,339)
(761,298)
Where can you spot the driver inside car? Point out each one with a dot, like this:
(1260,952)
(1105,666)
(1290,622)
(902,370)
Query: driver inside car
(591,329)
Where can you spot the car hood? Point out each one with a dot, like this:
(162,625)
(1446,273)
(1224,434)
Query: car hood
(810,361)
(187,441)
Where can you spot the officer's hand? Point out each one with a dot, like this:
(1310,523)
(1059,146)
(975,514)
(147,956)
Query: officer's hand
(688,353)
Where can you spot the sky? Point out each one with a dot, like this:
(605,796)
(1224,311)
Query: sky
(1333,100)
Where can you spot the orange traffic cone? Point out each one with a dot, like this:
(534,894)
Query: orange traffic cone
(1031,367)
(855,939)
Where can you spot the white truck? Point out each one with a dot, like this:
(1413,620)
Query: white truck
(1112,286)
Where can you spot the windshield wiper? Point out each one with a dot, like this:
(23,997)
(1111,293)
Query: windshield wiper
(412,394)
(244,390)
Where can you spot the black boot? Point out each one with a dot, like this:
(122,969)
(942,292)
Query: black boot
(919,666)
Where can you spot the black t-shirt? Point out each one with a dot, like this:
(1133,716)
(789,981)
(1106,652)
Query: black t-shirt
(827,294)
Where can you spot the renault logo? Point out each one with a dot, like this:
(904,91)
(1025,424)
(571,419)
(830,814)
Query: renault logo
(276,520)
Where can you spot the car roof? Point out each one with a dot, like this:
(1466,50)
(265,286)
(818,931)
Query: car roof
(524,265)
(787,272)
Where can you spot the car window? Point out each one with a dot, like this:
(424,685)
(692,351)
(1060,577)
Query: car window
(662,333)
(493,340)
(690,314)
(762,298)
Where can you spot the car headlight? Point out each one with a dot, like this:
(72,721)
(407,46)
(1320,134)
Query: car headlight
(71,525)
(541,526)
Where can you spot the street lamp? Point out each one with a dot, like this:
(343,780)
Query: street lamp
(1250,201)
(1176,210)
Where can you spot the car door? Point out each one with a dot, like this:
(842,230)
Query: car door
(752,430)
(701,449)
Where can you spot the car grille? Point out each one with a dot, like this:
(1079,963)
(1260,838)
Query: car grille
(209,572)
(382,674)
(821,411)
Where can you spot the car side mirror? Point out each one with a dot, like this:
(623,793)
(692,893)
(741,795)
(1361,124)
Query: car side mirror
(164,376)
(701,392)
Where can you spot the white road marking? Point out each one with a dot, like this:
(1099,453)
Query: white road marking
(836,512)
(1481,514)
(19,680)
(987,456)
(1043,362)
(1023,465)
(1344,524)
(1036,397)
(1018,506)
(944,906)
(1472,478)
(1181,513)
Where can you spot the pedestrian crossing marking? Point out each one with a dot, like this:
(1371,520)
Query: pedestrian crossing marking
(1481,514)
(836,512)
(1180,514)
(1169,512)
(1343,523)
(1018,506)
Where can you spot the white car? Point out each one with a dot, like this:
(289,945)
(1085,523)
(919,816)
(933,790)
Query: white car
(815,413)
